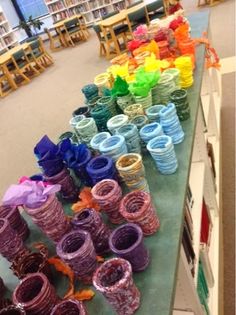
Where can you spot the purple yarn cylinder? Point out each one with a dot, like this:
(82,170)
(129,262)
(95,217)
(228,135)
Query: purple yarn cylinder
(68,190)
(16,221)
(12,310)
(126,242)
(11,244)
(50,218)
(108,194)
(76,249)
(90,220)
(101,167)
(35,295)
(81,171)
(69,307)
(114,280)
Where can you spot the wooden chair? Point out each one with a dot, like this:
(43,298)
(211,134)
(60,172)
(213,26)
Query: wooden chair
(73,31)
(105,38)
(5,84)
(39,55)
(21,66)
(156,9)
(55,40)
(83,26)
(136,18)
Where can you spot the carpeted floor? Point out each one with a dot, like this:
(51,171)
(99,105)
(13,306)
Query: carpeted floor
(45,105)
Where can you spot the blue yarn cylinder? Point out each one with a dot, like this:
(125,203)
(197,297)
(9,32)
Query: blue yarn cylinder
(153,113)
(113,147)
(98,138)
(162,151)
(132,139)
(171,124)
(101,167)
(80,169)
(150,131)
(90,91)
(101,114)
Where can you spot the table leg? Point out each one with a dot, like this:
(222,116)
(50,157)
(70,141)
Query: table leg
(9,77)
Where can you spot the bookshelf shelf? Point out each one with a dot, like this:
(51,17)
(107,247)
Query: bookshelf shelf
(61,9)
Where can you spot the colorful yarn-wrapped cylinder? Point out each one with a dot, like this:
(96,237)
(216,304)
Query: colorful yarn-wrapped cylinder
(97,139)
(69,307)
(77,250)
(90,91)
(31,263)
(145,101)
(124,101)
(108,195)
(17,222)
(170,123)
(163,152)
(176,73)
(101,167)
(110,103)
(150,131)
(133,110)
(165,87)
(136,207)
(114,280)
(153,113)
(11,244)
(86,129)
(101,115)
(113,147)
(132,139)
(132,171)
(93,102)
(68,190)
(90,220)
(187,47)
(35,294)
(50,218)
(179,98)
(83,110)
(117,121)
(184,64)
(74,121)
(127,242)
(164,51)
(139,121)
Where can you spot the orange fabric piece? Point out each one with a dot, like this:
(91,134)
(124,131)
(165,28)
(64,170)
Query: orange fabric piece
(212,58)
(85,294)
(86,201)
(100,259)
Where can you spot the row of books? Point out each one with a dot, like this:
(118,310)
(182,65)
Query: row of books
(56,6)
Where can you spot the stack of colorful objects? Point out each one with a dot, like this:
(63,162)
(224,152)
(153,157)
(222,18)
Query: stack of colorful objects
(51,162)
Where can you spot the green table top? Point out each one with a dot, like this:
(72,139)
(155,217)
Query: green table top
(157,282)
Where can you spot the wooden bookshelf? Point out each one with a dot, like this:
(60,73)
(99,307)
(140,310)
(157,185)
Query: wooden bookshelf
(7,36)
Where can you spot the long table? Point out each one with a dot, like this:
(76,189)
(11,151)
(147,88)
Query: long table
(108,24)
(158,282)
(6,58)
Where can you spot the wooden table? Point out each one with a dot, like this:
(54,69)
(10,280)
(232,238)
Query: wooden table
(60,26)
(158,282)
(7,57)
(119,18)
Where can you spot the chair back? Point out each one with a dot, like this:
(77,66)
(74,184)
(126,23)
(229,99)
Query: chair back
(19,55)
(137,15)
(134,4)
(35,45)
(154,6)
(71,23)
(109,15)
(97,29)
